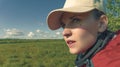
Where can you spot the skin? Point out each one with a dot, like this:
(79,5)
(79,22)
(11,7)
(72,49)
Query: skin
(83,29)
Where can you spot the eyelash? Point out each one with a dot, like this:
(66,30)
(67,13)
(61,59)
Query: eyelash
(76,20)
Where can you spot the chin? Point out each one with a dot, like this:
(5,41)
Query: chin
(75,51)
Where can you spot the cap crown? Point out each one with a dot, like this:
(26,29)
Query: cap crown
(98,4)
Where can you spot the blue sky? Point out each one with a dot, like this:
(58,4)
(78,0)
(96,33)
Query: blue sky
(27,18)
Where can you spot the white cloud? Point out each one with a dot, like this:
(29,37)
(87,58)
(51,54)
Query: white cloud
(37,30)
(58,33)
(37,34)
(12,33)
(55,35)
(31,34)
(45,34)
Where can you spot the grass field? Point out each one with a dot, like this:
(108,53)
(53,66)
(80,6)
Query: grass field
(35,53)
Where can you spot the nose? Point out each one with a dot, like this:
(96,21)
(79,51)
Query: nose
(66,32)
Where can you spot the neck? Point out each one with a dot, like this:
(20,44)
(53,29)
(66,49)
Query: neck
(101,41)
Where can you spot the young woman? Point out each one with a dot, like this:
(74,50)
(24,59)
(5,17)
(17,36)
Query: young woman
(85,32)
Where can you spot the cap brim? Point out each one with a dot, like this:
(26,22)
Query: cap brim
(53,18)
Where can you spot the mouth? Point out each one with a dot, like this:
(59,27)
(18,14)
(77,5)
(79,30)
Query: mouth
(70,43)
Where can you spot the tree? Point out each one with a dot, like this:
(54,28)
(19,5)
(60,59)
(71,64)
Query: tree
(113,12)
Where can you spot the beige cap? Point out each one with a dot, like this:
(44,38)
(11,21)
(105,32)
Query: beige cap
(74,6)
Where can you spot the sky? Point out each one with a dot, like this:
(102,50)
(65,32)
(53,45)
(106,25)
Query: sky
(26,19)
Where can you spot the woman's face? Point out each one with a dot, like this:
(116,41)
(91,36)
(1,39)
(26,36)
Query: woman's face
(79,31)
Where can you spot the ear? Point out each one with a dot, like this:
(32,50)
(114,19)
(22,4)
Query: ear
(103,21)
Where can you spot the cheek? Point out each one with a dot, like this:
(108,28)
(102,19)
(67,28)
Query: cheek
(88,41)
(85,40)
(91,27)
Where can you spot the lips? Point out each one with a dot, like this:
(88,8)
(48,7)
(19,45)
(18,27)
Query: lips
(70,43)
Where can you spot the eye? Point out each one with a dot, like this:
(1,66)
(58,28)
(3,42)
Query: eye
(76,20)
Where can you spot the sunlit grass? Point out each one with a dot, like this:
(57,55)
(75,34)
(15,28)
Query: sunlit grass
(35,53)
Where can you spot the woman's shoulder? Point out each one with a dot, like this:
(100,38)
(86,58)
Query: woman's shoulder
(110,55)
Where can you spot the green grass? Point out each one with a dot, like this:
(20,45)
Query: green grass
(35,53)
